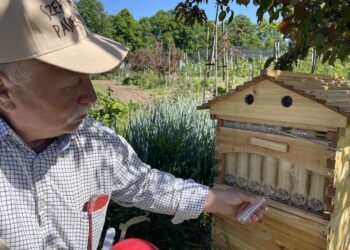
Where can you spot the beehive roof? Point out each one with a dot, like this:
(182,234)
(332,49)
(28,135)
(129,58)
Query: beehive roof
(331,92)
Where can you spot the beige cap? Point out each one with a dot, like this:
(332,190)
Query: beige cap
(53,32)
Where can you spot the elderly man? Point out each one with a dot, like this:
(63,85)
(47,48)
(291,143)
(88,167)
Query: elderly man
(58,168)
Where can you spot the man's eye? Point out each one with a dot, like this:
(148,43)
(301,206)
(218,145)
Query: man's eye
(73,86)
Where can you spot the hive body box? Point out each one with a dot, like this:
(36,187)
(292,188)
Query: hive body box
(284,102)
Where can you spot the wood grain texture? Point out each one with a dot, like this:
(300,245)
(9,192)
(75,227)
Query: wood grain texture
(267,107)
(277,146)
(289,74)
(277,230)
(340,218)
(321,89)
(311,156)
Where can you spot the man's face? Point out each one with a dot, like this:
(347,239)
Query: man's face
(52,103)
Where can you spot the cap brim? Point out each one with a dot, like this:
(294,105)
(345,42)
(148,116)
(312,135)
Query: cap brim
(92,55)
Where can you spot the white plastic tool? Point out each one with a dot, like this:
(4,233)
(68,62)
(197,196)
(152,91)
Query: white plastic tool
(250,210)
(109,239)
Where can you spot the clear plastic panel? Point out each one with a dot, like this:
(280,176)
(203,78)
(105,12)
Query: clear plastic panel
(254,178)
(300,184)
(316,197)
(284,183)
(230,168)
(269,176)
(242,169)
(277,178)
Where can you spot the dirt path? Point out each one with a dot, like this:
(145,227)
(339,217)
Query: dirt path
(126,93)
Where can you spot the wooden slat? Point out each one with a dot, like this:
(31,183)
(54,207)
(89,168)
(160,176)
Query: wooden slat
(345,109)
(267,106)
(279,73)
(278,123)
(331,92)
(309,82)
(311,156)
(340,218)
(324,88)
(342,104)
(337,99)
(277,230)
(281,147)
(269,234)
(306,81)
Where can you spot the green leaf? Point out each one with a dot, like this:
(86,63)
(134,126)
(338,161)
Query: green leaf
(344,51)
(319,39)
(222,15)
(231,17)
(346,14)
(305,26)
(265,4)
(244,2)
(326,56)
(332,59)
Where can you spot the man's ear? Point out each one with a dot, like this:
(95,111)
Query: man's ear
(6,103)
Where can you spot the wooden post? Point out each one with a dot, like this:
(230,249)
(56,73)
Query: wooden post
(206,71)
(199,63)
(169,64)
(314,60)
(225,57)
(216,53)
(339,236)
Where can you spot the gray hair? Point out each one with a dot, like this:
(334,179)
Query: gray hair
(19,72)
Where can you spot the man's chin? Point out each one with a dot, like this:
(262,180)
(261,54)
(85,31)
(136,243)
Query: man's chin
(74,124)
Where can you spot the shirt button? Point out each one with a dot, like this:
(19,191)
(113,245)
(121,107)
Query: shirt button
(42,204)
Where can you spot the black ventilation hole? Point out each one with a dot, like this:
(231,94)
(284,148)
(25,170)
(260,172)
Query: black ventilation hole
(287,101)
(249,99)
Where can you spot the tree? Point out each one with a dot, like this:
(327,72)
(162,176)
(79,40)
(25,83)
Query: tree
(95,17)
(243,33)
(323,25)
(126,30)
(148,37)
(164,27)
(191,38)
(168,30)
(268,34)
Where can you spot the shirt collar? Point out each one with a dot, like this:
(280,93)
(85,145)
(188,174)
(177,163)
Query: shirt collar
(63,141)
(6,130)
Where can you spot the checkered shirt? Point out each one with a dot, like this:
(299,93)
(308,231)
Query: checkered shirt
(42,195)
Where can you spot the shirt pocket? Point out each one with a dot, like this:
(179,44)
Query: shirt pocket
(95,223)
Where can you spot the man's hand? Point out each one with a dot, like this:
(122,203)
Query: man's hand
(231,202)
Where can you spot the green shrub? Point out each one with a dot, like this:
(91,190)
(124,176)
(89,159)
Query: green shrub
(130,81)
(221,90)
(111,112)
(174,136)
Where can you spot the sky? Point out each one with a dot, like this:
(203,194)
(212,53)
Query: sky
(148,8)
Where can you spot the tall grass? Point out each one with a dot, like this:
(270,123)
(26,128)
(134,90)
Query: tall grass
(172,136)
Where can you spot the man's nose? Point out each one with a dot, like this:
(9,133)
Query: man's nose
(88,94)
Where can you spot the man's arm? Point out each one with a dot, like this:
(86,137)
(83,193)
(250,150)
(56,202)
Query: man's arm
(231,202)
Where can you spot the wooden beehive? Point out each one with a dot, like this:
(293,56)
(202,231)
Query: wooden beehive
(287,136)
